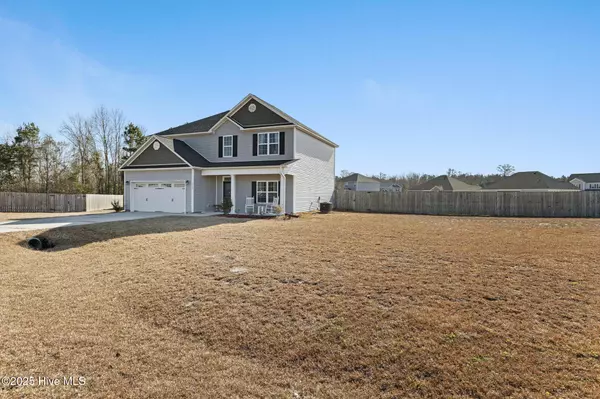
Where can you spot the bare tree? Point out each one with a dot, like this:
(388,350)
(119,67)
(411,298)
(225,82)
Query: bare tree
(506,169)
(117,122)
(104,137)
(79,133)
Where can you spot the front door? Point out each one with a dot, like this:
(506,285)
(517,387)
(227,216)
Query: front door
(226,189)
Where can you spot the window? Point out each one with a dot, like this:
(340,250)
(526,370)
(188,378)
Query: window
(227,146)
(167,185)
(180,185)
(268,144)
(266,191)
(139,185)
(154,185)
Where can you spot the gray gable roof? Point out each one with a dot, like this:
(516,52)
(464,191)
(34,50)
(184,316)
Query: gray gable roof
(274,117)
(448,183)
(357,177)
(530,180)
(201,125)
(586,177)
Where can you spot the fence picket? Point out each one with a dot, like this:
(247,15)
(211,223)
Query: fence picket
(530,204)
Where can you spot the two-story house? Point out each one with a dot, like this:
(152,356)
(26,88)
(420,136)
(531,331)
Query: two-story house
(586,181)
(251,153)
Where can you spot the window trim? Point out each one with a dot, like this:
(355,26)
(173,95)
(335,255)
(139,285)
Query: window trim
(267,192)
(268,144)
(228,146)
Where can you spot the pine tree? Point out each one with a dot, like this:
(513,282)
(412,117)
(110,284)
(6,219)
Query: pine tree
(134,138)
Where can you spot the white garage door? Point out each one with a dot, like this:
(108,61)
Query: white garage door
(159,197)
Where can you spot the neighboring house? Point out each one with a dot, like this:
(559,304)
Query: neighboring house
(586,181)
(444,183)
(253,150)
(358,182)
(390,186)
(530,181)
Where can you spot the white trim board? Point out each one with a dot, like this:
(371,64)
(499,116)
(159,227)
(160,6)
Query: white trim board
(237,171)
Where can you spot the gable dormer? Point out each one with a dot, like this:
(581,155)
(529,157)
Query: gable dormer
(254,114)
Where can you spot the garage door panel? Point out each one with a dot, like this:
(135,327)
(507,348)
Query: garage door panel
(159,197)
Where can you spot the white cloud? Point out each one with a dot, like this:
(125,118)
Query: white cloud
(43,80)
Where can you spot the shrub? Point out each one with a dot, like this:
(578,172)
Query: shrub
(226,205)
(116,206)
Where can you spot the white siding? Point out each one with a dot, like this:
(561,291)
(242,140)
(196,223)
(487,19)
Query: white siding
(314,172)
(159,175)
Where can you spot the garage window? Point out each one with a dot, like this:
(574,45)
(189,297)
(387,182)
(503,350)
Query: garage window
(167,185)
(139,185)
(179,185)
(153,185)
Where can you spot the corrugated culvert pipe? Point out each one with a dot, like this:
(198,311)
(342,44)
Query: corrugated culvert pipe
(39,243)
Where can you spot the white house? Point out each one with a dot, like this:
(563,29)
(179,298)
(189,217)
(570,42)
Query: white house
(254,155)
(586,181)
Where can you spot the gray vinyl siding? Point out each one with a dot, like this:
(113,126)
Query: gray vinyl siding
(314,172)
(162,156)
(204,192)
(208,144)
(158,176)
(262,116)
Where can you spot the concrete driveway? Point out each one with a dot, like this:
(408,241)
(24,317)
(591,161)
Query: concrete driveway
(53,222)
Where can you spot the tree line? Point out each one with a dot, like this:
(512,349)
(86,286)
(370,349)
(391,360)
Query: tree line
(85,160)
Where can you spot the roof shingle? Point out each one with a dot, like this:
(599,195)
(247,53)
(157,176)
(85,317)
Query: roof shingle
(201,125)
(448,183)
(530,181)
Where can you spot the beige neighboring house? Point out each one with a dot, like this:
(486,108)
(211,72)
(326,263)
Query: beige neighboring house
(358,182)
(254,154)
(444,183)
(530,182)
(586,181)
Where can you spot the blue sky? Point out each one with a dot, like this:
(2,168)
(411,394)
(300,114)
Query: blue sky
(401,86)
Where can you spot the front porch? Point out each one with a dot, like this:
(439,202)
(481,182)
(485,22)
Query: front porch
(264,193)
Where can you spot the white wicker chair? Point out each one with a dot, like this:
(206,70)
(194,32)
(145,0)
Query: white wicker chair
(271,205)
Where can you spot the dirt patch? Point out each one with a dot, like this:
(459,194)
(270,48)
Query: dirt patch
(338,305)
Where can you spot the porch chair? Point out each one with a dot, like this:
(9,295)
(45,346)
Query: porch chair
(249,205)
(271,205)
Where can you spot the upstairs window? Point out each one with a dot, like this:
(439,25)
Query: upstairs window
(268,144)
(227,146)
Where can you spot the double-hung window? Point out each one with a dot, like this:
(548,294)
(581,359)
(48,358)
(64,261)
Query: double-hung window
(227,146)
(268,144)
(266,191)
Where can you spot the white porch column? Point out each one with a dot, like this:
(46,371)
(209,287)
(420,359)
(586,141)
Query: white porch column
(232,194)
(282,189)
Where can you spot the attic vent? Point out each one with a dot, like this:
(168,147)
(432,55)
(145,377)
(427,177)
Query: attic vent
(252,107)
(156,145)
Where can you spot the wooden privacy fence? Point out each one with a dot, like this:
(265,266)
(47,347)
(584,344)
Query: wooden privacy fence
(478,203)
(42,202)
(95,202)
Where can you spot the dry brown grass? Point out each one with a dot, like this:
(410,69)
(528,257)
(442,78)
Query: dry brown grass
(340,305)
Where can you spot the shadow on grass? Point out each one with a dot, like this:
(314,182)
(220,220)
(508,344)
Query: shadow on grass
(69,237)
